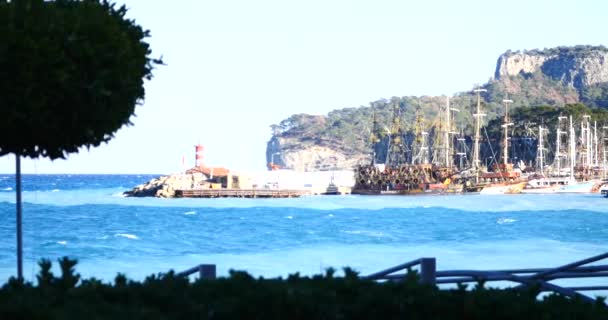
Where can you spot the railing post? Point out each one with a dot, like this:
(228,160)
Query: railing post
(206,271)
(427,270)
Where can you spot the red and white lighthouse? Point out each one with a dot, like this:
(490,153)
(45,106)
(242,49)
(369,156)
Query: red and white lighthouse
(199,149)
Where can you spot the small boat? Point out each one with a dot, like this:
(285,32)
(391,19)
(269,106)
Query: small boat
(503,180)
(542,184)
(604,189)
(332,189)
(578,187)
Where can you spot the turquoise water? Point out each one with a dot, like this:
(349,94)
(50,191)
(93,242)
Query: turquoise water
(85,217)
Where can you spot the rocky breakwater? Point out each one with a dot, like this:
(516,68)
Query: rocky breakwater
(165,186)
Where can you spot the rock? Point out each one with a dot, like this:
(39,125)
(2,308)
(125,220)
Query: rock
(578,67)
(319,158)
(290,152)
(513,64)
(165,186)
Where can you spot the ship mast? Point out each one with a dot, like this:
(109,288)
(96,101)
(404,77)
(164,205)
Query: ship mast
(446,158)
(395,155)
(506,124)
(572,150)
(462,154)
(541,148)
(446,135)
(589,147)
(558,148)
(477,115)
(595,145)
(372,137)
(604,150)
(583,145)
(451,134)
(421,156)
(586,142)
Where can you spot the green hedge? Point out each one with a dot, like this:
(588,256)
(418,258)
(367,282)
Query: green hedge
(240,296)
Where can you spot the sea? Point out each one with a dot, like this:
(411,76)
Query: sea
(86,217)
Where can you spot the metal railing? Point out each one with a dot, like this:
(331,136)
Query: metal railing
(205,271)
(525,278)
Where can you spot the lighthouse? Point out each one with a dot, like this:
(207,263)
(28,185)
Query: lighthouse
(199,149)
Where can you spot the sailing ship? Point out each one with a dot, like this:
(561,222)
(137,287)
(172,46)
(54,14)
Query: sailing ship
(503,179)
(578,164)
(575,170)
(418,176)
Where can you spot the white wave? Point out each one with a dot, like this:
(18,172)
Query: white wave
(127,235)
(330,215)
(365,233)
(190,213)
(289,217)
(102,237)
(55,190)
(506,221)
(7,189)
(468,203)
(62,242)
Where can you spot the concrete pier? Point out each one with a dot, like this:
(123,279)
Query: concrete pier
(240,193)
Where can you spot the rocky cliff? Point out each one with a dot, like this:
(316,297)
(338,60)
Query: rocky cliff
(340,140)
(344,138)
(579,67)
(291,153)
(515,64)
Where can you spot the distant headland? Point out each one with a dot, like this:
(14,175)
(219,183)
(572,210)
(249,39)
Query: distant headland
(340,140)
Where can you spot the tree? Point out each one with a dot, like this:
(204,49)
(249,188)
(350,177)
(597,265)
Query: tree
(71,74)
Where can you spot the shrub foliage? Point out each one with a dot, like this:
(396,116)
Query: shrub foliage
(240,296)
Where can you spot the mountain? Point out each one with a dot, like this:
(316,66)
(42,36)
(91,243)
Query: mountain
(555,76)
(559,79)
(578,67)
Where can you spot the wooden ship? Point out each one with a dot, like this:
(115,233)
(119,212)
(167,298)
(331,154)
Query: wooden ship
(580,161)
(397,176)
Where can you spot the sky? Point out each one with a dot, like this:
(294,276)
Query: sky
(235,67)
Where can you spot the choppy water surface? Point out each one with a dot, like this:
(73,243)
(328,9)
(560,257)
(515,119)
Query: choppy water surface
(85,216)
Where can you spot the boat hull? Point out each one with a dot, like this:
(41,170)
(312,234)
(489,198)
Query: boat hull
(449,190)
(503,189)
(579,187)
(551,189)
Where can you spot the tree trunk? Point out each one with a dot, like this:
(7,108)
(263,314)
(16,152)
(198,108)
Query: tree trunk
(19,209)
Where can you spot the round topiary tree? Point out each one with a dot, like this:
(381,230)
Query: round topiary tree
(71,74)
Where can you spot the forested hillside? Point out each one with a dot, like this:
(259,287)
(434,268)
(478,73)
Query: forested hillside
(541,83)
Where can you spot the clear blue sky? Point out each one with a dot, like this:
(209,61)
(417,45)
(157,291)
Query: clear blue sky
(236,67)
